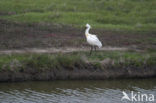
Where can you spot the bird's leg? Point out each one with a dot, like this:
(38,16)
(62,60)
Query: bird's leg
(95,48)
(91,50)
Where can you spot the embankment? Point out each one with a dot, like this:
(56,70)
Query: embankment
(77,65)
(89,72)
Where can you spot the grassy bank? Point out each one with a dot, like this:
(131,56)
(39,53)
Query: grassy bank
(77,65)
(18,62)
(134,15)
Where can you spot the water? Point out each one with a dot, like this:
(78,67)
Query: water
(97,91)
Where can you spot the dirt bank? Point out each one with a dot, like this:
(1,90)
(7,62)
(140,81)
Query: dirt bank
(87,72)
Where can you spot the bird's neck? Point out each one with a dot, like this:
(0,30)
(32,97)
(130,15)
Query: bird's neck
(87,31)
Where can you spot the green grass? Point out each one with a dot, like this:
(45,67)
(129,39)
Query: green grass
(79,59)
(135,15)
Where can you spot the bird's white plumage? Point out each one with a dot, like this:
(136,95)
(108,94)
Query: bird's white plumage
(94,41)
(91,38)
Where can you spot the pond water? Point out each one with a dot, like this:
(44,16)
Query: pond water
(79,91)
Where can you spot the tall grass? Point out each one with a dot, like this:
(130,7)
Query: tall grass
(107,14)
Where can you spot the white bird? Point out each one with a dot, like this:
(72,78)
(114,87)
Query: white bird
(92,39)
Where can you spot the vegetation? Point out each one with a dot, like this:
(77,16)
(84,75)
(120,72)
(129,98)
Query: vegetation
(133,15)
(69,61)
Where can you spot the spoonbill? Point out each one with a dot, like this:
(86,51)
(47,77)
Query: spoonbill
(92,39)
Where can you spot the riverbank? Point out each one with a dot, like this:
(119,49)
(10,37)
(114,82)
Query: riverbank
(45,40)
(77,65)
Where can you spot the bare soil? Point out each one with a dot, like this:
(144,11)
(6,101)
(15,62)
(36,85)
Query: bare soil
(14,35)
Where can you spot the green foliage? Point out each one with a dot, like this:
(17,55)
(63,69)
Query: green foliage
(133,15)
(38,61)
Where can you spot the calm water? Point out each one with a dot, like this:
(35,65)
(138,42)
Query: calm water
(103,91)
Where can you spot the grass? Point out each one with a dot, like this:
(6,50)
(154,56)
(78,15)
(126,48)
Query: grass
(134,15)
(76,59)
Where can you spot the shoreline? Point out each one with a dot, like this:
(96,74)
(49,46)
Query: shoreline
(72,66)
(77,74)
(77,66)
